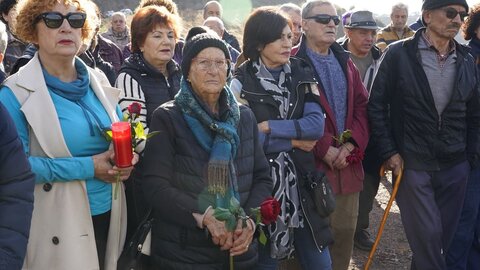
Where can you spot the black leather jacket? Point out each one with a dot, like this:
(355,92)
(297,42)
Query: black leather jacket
(403,117)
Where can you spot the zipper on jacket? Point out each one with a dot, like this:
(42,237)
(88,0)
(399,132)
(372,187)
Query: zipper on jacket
(296,103)
(297,89)
(253,93)
(166,81)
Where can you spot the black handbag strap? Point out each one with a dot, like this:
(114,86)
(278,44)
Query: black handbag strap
(142,229)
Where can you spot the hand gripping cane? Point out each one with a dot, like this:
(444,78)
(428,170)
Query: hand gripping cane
(385,215)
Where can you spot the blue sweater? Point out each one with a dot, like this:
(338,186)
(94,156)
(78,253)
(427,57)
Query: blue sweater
(16,195)
(79,142)
(334,84)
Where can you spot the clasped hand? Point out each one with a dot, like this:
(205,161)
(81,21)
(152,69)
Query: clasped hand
(336,158)
(237,242)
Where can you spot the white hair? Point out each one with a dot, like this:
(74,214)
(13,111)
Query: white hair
(399,6)
(119,14)
(216,20)
(3,38)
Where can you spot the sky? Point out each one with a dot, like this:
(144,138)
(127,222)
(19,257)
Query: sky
(235,11)
(384,6)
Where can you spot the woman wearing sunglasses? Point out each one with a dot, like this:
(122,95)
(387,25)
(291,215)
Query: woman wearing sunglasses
(61,108)
(283,95)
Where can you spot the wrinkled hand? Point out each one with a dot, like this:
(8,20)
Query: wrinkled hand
(395,164)
(105,171)
(263,127)
(218,231)
(242,237)
(305,145)
(341,161)
(331,156)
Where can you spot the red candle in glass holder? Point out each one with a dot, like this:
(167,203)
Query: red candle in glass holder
(122,144)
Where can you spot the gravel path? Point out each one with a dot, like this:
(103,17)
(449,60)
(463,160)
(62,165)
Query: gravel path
(393,252)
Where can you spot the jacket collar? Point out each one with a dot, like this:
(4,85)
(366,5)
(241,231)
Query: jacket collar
(39,109)
(340,53)
(389,28)
(412,45)
(137,62)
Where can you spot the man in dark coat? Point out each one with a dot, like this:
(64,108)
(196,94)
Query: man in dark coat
(16,195)
(424,113)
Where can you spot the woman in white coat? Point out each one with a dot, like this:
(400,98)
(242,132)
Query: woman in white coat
(61,108)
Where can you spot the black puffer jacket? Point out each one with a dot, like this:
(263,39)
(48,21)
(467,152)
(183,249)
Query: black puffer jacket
(174,184)
(403,117)
(265,108)
(155,86)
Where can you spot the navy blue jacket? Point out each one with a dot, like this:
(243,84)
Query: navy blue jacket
(16,195)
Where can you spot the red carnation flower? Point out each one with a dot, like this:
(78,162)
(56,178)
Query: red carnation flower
(269,210)
(355,156)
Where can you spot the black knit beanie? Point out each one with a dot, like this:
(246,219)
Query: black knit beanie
(196,44)
(434,4)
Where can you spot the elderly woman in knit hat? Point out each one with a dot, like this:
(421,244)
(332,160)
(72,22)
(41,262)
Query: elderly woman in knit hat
(207,152)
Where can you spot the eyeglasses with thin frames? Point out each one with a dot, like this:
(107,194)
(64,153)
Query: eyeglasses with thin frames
(206,64)
(325,18)
(54,20)
(452,13)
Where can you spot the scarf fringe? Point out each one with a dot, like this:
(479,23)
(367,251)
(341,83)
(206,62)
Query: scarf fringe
(218,176)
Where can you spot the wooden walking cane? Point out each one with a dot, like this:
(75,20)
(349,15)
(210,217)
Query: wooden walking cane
(385,215)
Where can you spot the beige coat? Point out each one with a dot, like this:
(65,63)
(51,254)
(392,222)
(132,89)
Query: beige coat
(61,235)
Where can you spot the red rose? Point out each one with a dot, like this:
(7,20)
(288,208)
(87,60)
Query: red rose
(134,108)
(355,156)
(269,210)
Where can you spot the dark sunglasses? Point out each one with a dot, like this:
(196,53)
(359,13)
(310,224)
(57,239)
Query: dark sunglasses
(325,19)
(55,19)
(452,13)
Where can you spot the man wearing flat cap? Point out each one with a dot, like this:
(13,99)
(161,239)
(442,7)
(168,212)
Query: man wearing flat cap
(424,112)
(360,34)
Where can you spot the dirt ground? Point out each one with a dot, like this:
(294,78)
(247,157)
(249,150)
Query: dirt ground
(393,252)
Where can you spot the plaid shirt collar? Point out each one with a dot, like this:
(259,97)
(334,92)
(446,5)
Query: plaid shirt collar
(440,58)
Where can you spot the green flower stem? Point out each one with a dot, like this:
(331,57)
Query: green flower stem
(231,263)
(117,183)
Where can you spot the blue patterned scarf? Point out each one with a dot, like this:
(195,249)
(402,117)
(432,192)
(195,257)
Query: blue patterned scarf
(219,138)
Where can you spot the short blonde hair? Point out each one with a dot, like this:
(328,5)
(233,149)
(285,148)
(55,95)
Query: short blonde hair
(25,27)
